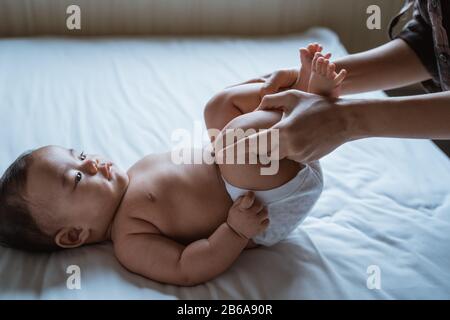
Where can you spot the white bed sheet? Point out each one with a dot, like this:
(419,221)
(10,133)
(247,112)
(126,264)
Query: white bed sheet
(386,202)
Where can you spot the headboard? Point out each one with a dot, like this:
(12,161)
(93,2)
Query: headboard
(199,17)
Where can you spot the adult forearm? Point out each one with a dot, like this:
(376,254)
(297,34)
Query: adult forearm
(389,66)
(420,117)
(205,259)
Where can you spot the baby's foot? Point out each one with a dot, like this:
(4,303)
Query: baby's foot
(306,57)
(324,79)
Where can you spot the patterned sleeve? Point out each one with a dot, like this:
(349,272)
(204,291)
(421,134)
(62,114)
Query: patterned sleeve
(418,35)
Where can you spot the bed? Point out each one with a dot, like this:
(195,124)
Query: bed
(384,212)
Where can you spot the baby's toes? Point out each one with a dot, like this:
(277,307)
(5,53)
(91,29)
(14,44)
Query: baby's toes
(331,71)
(315,48)
(305,55)
(324,69)
(311,48)
(319,48)
(319,67)
(314,62)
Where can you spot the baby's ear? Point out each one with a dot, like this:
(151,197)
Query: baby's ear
(70,237)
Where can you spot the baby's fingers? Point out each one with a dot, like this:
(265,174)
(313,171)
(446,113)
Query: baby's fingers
(247,201)
(257,207)
(263,214)
(265,223)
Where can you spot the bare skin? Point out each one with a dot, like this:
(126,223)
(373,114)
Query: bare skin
(182,214)
(307,66)
(169,222)
(177,223)
(291,78)
(324,80)
(389,66)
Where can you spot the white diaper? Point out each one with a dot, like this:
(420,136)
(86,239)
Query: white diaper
(288,204)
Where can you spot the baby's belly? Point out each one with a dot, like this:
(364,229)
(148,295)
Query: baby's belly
(196,205)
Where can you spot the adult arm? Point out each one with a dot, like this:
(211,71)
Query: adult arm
(314,126)
(389,66)
(420,117)
(392,65)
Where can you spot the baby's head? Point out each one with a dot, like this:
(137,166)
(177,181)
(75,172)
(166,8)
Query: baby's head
(53,198)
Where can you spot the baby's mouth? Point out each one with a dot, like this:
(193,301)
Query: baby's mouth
(106,170)
(110,171)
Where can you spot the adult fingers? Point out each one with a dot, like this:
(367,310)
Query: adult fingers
(272,84)
(277,80)
(282,101)
(331,70)
(254,145)
(340,77)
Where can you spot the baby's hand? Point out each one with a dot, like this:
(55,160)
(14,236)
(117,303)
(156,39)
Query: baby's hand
(248,217)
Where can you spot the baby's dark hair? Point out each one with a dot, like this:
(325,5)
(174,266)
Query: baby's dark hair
(18,228)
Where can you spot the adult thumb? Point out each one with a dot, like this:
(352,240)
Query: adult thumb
(271,85)
(278,101)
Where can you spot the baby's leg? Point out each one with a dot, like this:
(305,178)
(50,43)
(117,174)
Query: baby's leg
(234,108)
(324,79)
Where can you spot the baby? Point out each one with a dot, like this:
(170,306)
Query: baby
(181,224)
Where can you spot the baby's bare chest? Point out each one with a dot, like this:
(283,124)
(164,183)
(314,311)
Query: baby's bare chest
(183,202)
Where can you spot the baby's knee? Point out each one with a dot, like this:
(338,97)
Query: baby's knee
(215,104)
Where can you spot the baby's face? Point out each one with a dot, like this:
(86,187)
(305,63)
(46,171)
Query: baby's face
(75,190)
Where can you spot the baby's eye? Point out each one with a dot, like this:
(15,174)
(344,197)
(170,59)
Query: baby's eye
(78,177)
(82,156)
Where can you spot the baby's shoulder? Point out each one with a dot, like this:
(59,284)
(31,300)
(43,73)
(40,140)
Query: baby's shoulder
(130,226)
(136,215)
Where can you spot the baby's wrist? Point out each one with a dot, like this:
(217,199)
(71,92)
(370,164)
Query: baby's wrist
(235,231)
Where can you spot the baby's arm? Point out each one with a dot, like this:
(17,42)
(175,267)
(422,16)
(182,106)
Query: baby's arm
(162,259)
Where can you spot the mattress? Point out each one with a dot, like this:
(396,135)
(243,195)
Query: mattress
(384,212)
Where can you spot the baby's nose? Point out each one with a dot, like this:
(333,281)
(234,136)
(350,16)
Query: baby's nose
(93,166)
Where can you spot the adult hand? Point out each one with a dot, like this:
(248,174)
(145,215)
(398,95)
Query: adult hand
(276,81)
(311,127)
(294,78)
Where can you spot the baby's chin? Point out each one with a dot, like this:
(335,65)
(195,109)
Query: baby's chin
(119,177)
